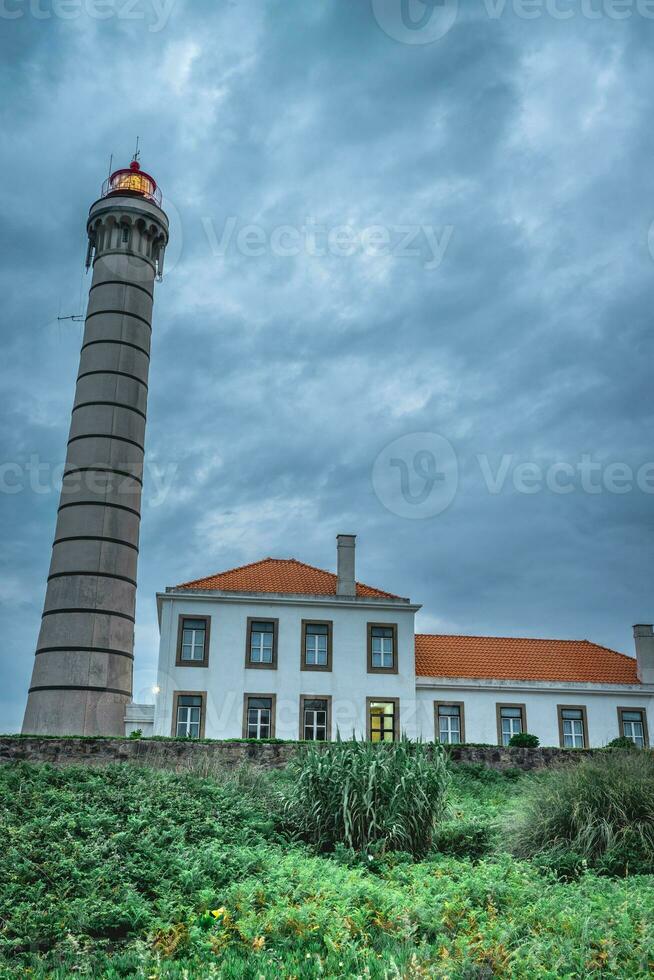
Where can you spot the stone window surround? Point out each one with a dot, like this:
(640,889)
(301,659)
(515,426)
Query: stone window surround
(462,718)
(316,697)
(207,636)
(189,694)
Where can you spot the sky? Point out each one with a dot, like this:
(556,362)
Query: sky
(408,295)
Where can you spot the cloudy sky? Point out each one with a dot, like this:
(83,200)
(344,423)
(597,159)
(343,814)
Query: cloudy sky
(409,295)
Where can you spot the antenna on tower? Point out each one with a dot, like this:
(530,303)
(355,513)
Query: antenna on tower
(137,152)
(111,163)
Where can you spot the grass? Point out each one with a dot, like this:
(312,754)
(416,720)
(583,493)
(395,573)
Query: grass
(132,872)
(599,813)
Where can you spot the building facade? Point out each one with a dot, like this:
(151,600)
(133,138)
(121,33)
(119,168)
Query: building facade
(280,649)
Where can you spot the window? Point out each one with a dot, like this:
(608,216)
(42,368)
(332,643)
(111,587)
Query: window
(314,718)
(449,722)
(316,644)
(382,648)
(124,234)
(633,725)
(511,721)
(259,716)
(572,726)
(193,641)
(383,719)
(188,714)
(261,650)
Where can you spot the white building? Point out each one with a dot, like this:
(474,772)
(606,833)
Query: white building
(280,649)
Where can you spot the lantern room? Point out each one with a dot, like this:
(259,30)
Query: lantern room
(132,182)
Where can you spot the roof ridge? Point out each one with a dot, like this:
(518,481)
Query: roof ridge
(491,636)
(283,561)
(528,639)
(236,568)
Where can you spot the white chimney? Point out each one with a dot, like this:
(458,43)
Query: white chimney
(346,584)
(644,640)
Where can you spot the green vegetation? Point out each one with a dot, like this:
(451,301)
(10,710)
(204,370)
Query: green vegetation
(622,742)
(598,813)
(387,796)
(131,872)
(524,740)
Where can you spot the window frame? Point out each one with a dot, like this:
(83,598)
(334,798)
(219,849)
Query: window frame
(523,719)
(273,712)
(189,694)
(329,623)
(381,670)
(584,721)
(180,633)
(643,714)
(316,697)
(250,664)
(396,722)
(462,720)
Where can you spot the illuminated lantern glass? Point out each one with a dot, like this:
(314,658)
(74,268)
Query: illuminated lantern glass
(132,181)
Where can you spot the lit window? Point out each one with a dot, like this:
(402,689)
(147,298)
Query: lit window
(633,726)
(511,722)
(314,719)
(259,717)
(572,728)
(383,721)
(194,636)
(262,642)
(316,642)
(449,723)
(189,716)
(382,647)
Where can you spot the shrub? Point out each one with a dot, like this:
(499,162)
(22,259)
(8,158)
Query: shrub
(384,796)
(524,740)
(622,742)
(600,810)
(464,838)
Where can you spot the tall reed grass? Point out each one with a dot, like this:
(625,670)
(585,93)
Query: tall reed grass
(364,794)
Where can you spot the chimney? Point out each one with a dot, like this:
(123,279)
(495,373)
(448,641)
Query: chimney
(644,640)
(346,584)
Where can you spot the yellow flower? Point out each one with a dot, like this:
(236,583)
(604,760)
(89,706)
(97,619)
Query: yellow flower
(218,912)
(258,943)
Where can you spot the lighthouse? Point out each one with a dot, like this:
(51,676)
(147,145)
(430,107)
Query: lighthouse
(82,675)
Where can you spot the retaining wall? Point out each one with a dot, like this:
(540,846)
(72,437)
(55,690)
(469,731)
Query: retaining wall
(179,755)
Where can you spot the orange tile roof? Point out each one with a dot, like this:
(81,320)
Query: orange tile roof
(514,658)
(284,575)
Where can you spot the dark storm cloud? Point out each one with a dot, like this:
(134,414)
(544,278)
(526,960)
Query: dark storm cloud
(277,379)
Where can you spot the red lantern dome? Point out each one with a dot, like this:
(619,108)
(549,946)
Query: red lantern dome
(132,182)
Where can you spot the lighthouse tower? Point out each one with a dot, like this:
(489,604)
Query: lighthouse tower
(82,677)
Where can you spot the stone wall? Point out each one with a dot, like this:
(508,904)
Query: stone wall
(205,756)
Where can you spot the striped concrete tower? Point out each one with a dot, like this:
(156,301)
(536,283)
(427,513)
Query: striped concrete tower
(82,677)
